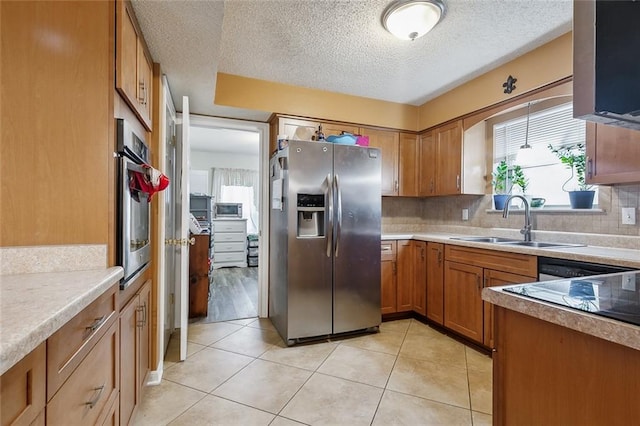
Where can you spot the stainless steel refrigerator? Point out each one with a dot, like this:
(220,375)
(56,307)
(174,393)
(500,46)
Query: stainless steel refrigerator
(324,251)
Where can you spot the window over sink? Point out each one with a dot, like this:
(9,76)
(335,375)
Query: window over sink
(549,123)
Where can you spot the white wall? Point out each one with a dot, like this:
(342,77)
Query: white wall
(206,160)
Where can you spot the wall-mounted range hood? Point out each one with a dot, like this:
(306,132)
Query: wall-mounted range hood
(606,62)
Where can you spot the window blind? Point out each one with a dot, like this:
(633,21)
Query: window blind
(555,126)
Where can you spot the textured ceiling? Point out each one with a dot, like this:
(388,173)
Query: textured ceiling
(338,46)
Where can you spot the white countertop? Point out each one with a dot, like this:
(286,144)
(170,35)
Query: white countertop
(34,306)
(606,255)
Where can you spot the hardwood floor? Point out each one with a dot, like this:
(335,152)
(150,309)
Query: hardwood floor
(234,294)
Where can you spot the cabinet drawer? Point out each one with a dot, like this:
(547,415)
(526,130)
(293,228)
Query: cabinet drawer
(388,250)
(229,226)
(515,263)
(228,237)
(230,257)
(67,347)
(227,247)
(91,388)
(23,389)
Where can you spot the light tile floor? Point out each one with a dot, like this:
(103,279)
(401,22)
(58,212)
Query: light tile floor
(241,373)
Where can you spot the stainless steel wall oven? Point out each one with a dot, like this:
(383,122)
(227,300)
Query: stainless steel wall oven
(133,209)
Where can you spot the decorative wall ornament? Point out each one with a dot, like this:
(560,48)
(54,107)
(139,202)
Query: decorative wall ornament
(510,84)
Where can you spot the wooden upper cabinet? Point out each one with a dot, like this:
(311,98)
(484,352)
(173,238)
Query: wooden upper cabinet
(452,162)
(449,159)
(613,154)
(336,129)
(134,67)
(409,153)
(388,142)
(427,165)
(301,130)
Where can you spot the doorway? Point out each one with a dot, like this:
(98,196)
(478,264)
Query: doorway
(228,164)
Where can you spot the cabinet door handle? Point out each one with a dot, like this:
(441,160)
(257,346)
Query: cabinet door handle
(93,327)
(431,187)
(141,92)
(458,182)
(95,400)
(478,282)
(422,252)
(589,167)
(439,257)
(397,185)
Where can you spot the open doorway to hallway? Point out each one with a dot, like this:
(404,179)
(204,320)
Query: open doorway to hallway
(225,171)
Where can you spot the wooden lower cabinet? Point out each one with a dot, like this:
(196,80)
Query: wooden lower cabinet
(134,352)
(420,277)
(463,311)
(199,276)
(388,293)
(405,276)
(93,386)
(23,390)
(546,374)
(435,282)
(467,271)
(492,279)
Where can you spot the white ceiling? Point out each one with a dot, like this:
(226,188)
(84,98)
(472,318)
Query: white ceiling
(337,45)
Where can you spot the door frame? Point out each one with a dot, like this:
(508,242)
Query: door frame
(263,169)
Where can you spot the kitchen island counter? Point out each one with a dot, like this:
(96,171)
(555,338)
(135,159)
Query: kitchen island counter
(34,306)
(602,327)
(561,365)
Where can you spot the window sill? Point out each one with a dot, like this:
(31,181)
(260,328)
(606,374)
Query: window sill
(551,210)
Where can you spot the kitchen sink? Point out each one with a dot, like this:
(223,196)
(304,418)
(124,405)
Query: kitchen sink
(539,244)
(485,239)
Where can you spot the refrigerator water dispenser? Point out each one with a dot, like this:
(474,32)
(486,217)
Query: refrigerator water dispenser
(310,215)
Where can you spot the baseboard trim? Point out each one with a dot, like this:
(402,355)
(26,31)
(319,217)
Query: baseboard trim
(155,377)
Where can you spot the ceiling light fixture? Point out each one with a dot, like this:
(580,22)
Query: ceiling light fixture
(411,19)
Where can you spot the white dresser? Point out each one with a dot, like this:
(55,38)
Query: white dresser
(229,242)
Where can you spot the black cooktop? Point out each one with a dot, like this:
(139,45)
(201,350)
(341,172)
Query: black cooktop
(614,296)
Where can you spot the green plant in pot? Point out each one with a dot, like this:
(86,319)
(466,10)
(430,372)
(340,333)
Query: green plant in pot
(499,182)
(574,158)
(519,179)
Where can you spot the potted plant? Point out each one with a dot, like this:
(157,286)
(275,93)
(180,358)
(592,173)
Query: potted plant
(519,179)
(499,183)
(574,157)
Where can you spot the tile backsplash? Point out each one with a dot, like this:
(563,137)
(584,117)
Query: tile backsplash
(414,214)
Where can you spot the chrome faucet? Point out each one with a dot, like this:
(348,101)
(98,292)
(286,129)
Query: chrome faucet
(526,231)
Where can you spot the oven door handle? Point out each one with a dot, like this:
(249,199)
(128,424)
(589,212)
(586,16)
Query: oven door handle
(131,155)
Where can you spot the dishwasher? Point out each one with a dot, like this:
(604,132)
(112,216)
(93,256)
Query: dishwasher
(550,268)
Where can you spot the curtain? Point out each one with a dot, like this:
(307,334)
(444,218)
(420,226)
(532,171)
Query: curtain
(234,177)
(222,182)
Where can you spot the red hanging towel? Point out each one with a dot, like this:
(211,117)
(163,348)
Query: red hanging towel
(150,182)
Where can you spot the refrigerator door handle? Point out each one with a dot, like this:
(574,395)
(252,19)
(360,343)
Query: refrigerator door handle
(329,218)
(339,212)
